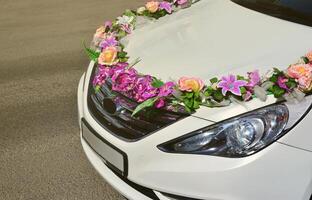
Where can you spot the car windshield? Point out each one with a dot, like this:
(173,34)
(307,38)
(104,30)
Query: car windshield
(299,11)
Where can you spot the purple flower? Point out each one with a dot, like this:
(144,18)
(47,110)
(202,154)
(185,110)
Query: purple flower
(143,88)
(109,42)
(123,79)
(167,89)
(160,103)
(126,27)
(232,85)
(108,24)
(247,96)
(102,74)
(254,79)
(281,82)
(164,5)
(180,2)
(99,80)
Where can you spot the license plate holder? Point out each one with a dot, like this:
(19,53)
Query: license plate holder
(113,157)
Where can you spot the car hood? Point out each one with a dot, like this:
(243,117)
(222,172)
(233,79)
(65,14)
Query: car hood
(214,38)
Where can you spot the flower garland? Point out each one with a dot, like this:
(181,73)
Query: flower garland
(187,93)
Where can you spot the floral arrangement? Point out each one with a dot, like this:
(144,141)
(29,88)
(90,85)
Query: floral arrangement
(188,93)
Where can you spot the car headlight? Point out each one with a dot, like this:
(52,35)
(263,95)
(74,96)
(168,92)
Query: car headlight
(236,137)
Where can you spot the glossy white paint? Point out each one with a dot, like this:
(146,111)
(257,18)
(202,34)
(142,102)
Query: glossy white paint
(213,37)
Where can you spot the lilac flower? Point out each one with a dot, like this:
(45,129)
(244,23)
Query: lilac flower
(167,89)
(109,42)
(247,96)
(164,5)
(254,79)
(123,79)
(99,80)
(232,85)
(101,76)
(108,24)
(143,88)
(160,103)
(126,27)
(180,2)
(281,82)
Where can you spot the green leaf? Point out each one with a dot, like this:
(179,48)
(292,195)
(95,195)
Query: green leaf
(122,54)
(129,13)
(291,83)
(217,95)
(277,91)
(196,95)
(146,104)
(157,83)
(214,80)
(125,59)
(97,88)
(93,55)
(188,103)
(277,71)
(121,34)
(243,90)
(196,104)
(305,59)
(189,95)
(274,78)
(240,77)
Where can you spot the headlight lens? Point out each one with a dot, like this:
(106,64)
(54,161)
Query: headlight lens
(237,137)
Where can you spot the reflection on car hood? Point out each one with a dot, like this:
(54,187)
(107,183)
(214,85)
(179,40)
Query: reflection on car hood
(217,37)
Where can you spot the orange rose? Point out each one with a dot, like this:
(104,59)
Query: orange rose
(190,84)
(108,56)
(100,33)
(152,6)
(303,73)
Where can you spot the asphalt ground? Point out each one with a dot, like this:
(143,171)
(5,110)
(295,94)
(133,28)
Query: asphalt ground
(41,61)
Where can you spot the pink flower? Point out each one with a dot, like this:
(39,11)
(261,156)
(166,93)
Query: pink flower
(100,33)
(254,78)
(108,24)
(99,79)
(180,2)
(190,84)
(108,56)
(109,42)
(123,80)
(152,6)
(303,73)
(247,96)
(281,82)
(143,88)
(167,89)
(231,84)
(126,27)
(160,103)
(309,56)
(164,5)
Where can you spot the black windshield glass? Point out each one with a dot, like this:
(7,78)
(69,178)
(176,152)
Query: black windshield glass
(299,11)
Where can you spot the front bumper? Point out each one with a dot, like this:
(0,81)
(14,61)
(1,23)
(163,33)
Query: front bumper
(277,172)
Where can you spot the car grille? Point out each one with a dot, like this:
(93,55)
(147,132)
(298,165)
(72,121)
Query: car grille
(113,111)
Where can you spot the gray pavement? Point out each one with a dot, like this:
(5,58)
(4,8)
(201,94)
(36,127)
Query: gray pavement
(41,61)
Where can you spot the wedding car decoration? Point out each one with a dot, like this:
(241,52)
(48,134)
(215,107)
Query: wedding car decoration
(188,93)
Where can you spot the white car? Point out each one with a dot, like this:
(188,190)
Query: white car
(171,157)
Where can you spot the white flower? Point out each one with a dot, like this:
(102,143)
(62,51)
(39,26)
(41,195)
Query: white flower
(124,20)
(141,10)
